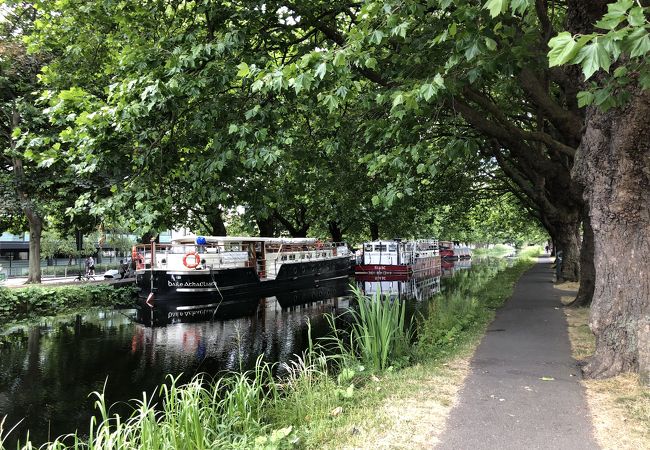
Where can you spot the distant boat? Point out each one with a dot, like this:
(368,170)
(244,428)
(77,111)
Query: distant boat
(453,251)
(225,276)
(397,257)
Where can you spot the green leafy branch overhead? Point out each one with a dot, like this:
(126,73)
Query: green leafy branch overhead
(624,42)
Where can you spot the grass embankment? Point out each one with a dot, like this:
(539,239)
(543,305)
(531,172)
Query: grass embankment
(370,389)
(619,406)
(16,303)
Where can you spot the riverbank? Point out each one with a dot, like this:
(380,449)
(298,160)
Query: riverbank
(328,402)
(18,303)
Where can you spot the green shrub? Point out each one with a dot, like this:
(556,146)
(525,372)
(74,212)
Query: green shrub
(41,300)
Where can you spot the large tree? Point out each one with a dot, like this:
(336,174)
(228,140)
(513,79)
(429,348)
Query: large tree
(611,45)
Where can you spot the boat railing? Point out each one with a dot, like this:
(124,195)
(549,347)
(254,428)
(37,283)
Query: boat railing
(215,255)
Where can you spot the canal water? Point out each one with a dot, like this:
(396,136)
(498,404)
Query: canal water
(48,369)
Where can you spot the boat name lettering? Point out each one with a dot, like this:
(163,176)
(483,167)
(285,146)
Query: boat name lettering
(189,283)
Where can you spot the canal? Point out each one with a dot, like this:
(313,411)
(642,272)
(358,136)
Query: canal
(49,368)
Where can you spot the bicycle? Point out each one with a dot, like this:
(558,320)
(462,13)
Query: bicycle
(85,277)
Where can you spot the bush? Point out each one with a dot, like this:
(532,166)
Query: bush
(50,300)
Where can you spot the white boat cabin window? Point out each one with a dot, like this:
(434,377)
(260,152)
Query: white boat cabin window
(368,247)
(392,247)
(380,247)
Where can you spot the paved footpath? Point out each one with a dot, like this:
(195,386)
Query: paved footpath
(523,391)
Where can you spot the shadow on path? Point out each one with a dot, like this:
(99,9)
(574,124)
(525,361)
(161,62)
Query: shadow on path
(523,391)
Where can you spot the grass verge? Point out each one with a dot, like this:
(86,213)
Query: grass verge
(619,406)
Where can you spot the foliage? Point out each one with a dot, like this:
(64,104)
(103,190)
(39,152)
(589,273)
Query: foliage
(379,336)
(623,44)
(50,300)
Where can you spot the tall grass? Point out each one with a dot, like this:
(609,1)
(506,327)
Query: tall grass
(378,335)
(198,415)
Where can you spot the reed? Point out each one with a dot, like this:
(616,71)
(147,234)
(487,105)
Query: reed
(378,335)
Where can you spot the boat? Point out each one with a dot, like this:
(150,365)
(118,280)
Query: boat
(454,251)
(226,276)
(398,257)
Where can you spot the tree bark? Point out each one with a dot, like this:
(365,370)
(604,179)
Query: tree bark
(35,233)
(33,217)
(266,226)
(299,230)
(566,237)
(374,231)
(217,227)
(335,231)
(587,270)
(613,165)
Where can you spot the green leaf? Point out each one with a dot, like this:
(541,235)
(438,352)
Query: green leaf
(496,7)
(427,91)
(243,70)
(620,7)
(472,51)
(490,43)
(376,37)
(610,21)
(637,43)
(371,63)
(563,49)
(339,59)
(585,98)
(636,17)
(644,80)
(398,100)
(593,57)
(439,80)
(519,6)
(321,70)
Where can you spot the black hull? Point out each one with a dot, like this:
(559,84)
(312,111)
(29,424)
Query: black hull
(225,293)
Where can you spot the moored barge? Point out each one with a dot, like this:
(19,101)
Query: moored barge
(225,276)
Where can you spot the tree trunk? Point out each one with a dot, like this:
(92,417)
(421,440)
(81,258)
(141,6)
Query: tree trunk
(587,270)
(374,231)
(566,238)
(217,227)
(266,226)
(299,230)
(613,165)
(35,232)
(335,231)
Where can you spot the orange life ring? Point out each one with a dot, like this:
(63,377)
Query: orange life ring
(189,265)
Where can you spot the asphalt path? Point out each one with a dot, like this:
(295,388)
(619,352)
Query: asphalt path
(523,391)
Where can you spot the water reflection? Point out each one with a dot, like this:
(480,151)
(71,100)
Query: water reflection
(420,289)
(449,268)
(48,369)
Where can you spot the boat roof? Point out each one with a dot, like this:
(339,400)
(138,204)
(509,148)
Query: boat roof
(191,239)
(404,241)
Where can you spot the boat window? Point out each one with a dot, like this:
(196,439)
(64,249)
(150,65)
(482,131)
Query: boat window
(380,247)
(368,247)
(392,247)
